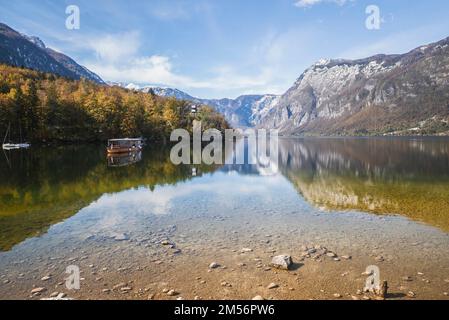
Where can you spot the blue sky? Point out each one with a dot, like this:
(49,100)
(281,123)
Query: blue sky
(224,48)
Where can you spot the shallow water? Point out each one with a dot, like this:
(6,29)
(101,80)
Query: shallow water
(382,201)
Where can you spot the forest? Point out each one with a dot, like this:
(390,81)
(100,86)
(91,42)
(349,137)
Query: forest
(43,108)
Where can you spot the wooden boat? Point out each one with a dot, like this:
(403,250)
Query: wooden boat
(13,146)
(124,145)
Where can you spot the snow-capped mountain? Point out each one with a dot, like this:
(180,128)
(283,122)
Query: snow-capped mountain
(31,52)
(244,111)
(383,94)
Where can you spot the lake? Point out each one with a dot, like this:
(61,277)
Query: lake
(138,226)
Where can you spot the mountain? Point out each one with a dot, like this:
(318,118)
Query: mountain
(383,94)
(30,52)
(244,111)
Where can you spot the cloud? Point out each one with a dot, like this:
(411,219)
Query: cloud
(115,47)
(310,3)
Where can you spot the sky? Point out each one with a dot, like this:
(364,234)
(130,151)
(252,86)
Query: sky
(224,48)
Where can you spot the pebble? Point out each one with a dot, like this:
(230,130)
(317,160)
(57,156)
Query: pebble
(283,262)
(411,294)
(273,286)
(331,255)
(121,237)
(337,295)
(258,298)
(106,290)
(150,296)
(347,257)
(38,290)
(54,294)
(408,278)
(46,278)
(379,259)
(246,250)
(172,293)
(214,265)
(119,286)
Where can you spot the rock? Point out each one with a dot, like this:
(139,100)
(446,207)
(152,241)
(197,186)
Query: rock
(379,259)
(61,295)
(408,278)
(226,284)
(283,262)
(121,237)
(346,257)
(172,293)
(106,290)
(445,293)
(180,298)
(411,294)
(150,296)
(125,289)
(54,294)
(246,250)
(165,243)
(337,295)
(258,298)
(46,278)
(272,286)
(165,290)
(214,265)
(331,255)
(38,290)
(119,286)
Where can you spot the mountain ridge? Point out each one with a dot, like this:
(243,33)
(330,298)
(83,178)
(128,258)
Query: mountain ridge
(380,95)
(21,50)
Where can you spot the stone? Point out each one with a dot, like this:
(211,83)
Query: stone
(121,237)
(119,286)
(337,295)
(214,265)
(408,278)
(283,262)
(46,278)
(272,286)
(258,298)
(379,259)
(54,294)
(150,296)
(172,293)
(346,257)
(38,290)
(246,250)
(411,294)
(106,290)
(331,255)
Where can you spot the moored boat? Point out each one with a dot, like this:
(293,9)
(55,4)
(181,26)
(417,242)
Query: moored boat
(124,145)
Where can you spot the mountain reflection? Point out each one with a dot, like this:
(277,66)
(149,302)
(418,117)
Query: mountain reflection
(409,177)
(43,186)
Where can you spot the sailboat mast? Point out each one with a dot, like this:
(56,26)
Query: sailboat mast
(7,132)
